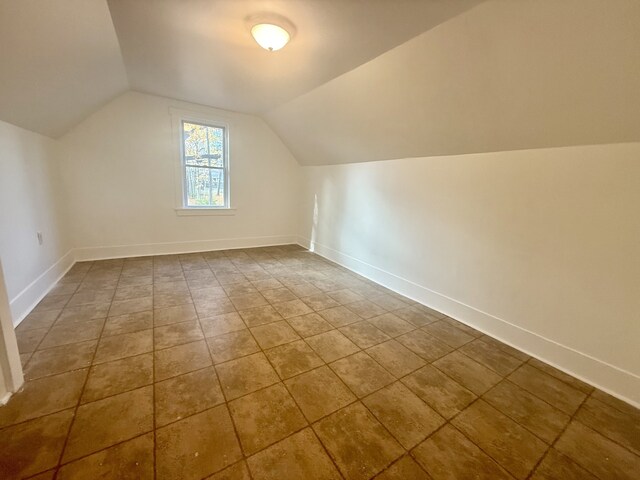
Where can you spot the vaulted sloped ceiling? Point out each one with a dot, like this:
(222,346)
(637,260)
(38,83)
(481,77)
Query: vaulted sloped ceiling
(502,76)
(202,51)
(61,60)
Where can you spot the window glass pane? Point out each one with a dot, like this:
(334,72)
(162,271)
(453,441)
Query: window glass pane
(203,145)
(205,187)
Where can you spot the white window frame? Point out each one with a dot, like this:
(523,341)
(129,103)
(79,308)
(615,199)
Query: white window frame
(178,118)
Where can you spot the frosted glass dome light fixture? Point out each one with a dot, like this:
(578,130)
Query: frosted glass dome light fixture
(269,36)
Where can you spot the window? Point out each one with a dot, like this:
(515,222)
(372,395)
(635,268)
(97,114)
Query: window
(205,165)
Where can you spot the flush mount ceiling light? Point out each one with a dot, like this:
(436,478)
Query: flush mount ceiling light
(270,31)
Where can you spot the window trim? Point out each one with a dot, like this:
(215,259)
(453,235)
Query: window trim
(179,117)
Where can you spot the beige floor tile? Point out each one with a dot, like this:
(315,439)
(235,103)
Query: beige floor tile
(43,396)
(222,323)
(125,345)
(556,465)
(131,460)
(339,316)
(245,375)
(207,293)
(449,455)
(414,316)
(300,456)
(121,307)
(65,334)
(361,373)
(614,402)
(364,334)
(232,345)
(293,358)
(447,333)
(53,302)
(407,417)
(180,359)
(332,345)
(251,300)
(181,396)
(118,376)
(38,319)
(274,334)
(265,417)
(467,372)
(439,391)
(366,309)
(278,295)
(319,393)
(396,358)
(292,308)
(260,316)
(568,379)
(176,334)
(109,421)
(345,296)
(623,428)
(389,302)
(127,292)
(320,301)
(60,359)
(548,388)
(403,469)
(505,348)
(528,410)
(83,313)
(197,446)
(212,307)
(500,362)
(179,313)
(391,324)
(310,324)
(239,289)
(267,284)
(34,446)
(28,340)
(176,286)
(588,449)
(237,471)
(426,346)
(128,323)
(91,296)
(304,289)
(513,447)
(358,443)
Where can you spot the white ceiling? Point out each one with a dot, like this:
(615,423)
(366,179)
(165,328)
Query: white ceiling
(202,51)
(61,60)
(502,76)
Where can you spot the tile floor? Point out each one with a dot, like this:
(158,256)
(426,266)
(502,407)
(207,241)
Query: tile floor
(273,363)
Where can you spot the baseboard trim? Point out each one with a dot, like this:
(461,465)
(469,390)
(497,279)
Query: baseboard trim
(618,382)
(171,248)
(30,296)
(5,398)
(22,304)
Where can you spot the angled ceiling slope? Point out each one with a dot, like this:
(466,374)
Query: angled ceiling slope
(59,61)
(501,76)
(202,51)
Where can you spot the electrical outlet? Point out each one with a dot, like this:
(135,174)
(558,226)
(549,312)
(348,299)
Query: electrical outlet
(39,238)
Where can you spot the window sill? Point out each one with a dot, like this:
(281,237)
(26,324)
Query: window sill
(187,212)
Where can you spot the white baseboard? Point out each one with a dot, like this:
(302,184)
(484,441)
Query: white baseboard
(5,398)
(618,382)
(30,296)
(170,248)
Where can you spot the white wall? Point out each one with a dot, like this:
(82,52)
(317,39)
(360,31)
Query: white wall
(30,202)
(537,247)
(118,171)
